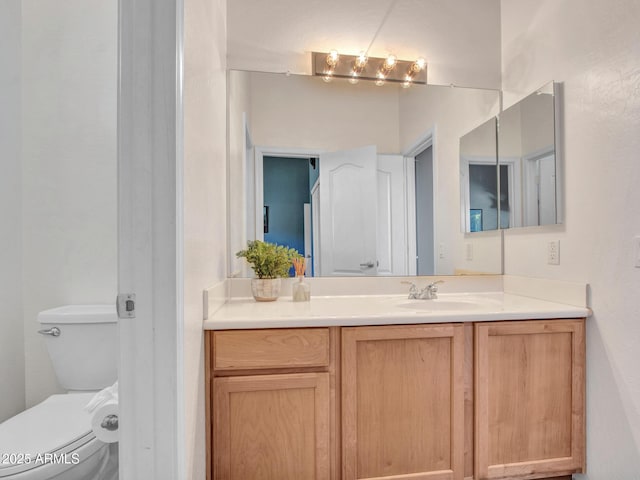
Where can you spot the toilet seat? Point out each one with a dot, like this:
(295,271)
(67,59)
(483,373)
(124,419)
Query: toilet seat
(48,438)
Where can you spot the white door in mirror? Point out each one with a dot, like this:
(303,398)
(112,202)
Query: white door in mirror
(348,212)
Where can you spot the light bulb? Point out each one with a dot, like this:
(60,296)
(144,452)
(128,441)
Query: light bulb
(406,84)
(332,58)
(361,60)
(420,63)
(327,78)
(390,62)
(354,78)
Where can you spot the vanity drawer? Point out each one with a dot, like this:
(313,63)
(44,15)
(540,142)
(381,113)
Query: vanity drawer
(272,348)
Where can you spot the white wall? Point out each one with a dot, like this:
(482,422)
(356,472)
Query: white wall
(593,48)
(452,112)
(204,201)
(69,65)
(12,398)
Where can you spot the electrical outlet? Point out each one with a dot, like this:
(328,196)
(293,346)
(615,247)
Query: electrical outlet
(553,252)
(441,251)
(469,251)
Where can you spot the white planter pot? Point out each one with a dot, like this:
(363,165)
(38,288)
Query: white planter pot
(266,289)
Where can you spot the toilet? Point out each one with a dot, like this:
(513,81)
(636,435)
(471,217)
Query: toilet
(53,440)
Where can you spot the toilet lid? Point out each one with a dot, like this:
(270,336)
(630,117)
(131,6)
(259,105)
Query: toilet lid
(59,425)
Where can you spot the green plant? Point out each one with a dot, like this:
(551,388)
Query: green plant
(269,260)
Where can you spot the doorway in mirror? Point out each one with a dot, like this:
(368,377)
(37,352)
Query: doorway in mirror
(425,261)
(286,196)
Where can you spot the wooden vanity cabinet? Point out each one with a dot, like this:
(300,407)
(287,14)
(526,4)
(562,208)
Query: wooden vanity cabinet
(273,404)
(489,400)
(403,402)
(529,399)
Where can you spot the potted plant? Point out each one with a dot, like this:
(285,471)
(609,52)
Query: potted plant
(271,263)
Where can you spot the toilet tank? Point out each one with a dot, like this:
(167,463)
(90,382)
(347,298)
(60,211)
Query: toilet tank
(83,345)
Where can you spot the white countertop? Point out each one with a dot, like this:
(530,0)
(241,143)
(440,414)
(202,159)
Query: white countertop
(353,310)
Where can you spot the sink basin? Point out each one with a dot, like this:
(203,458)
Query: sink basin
(453,303)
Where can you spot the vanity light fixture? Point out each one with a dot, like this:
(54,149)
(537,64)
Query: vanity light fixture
(380,70)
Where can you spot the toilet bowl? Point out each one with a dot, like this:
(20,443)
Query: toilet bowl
(53,440)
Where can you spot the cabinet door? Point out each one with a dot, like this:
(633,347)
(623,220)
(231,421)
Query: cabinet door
(271,427)
(403,402)
(529,398)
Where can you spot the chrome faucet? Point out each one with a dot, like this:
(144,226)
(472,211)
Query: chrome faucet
(430,292)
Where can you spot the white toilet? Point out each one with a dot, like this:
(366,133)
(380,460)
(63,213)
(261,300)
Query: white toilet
(53,440)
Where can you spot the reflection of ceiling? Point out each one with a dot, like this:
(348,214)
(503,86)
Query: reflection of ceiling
(460,39)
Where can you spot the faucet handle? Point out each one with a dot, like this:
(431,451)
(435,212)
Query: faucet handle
(432,289)
(413,289)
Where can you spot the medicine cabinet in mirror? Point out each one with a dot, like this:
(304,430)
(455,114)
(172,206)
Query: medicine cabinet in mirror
(361,179)
(514,181)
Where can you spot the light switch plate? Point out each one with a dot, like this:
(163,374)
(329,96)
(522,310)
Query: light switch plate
(553,252)
(469,251)
(636,250)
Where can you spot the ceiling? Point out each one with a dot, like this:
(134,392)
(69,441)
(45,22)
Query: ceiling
(460,39)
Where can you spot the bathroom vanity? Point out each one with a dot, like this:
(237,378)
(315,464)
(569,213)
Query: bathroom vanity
(467,386)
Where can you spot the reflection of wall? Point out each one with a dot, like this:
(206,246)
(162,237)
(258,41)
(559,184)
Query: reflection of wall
(286,190)
(240,168)
(453,112)
(305,112)
(510,132)
(593,48)
(537,123)
(12,338)
(527,127)
(204,203)
(69,79)
(480,142)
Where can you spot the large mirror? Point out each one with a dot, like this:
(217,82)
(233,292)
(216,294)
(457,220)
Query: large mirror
(361,179)
(528,160)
